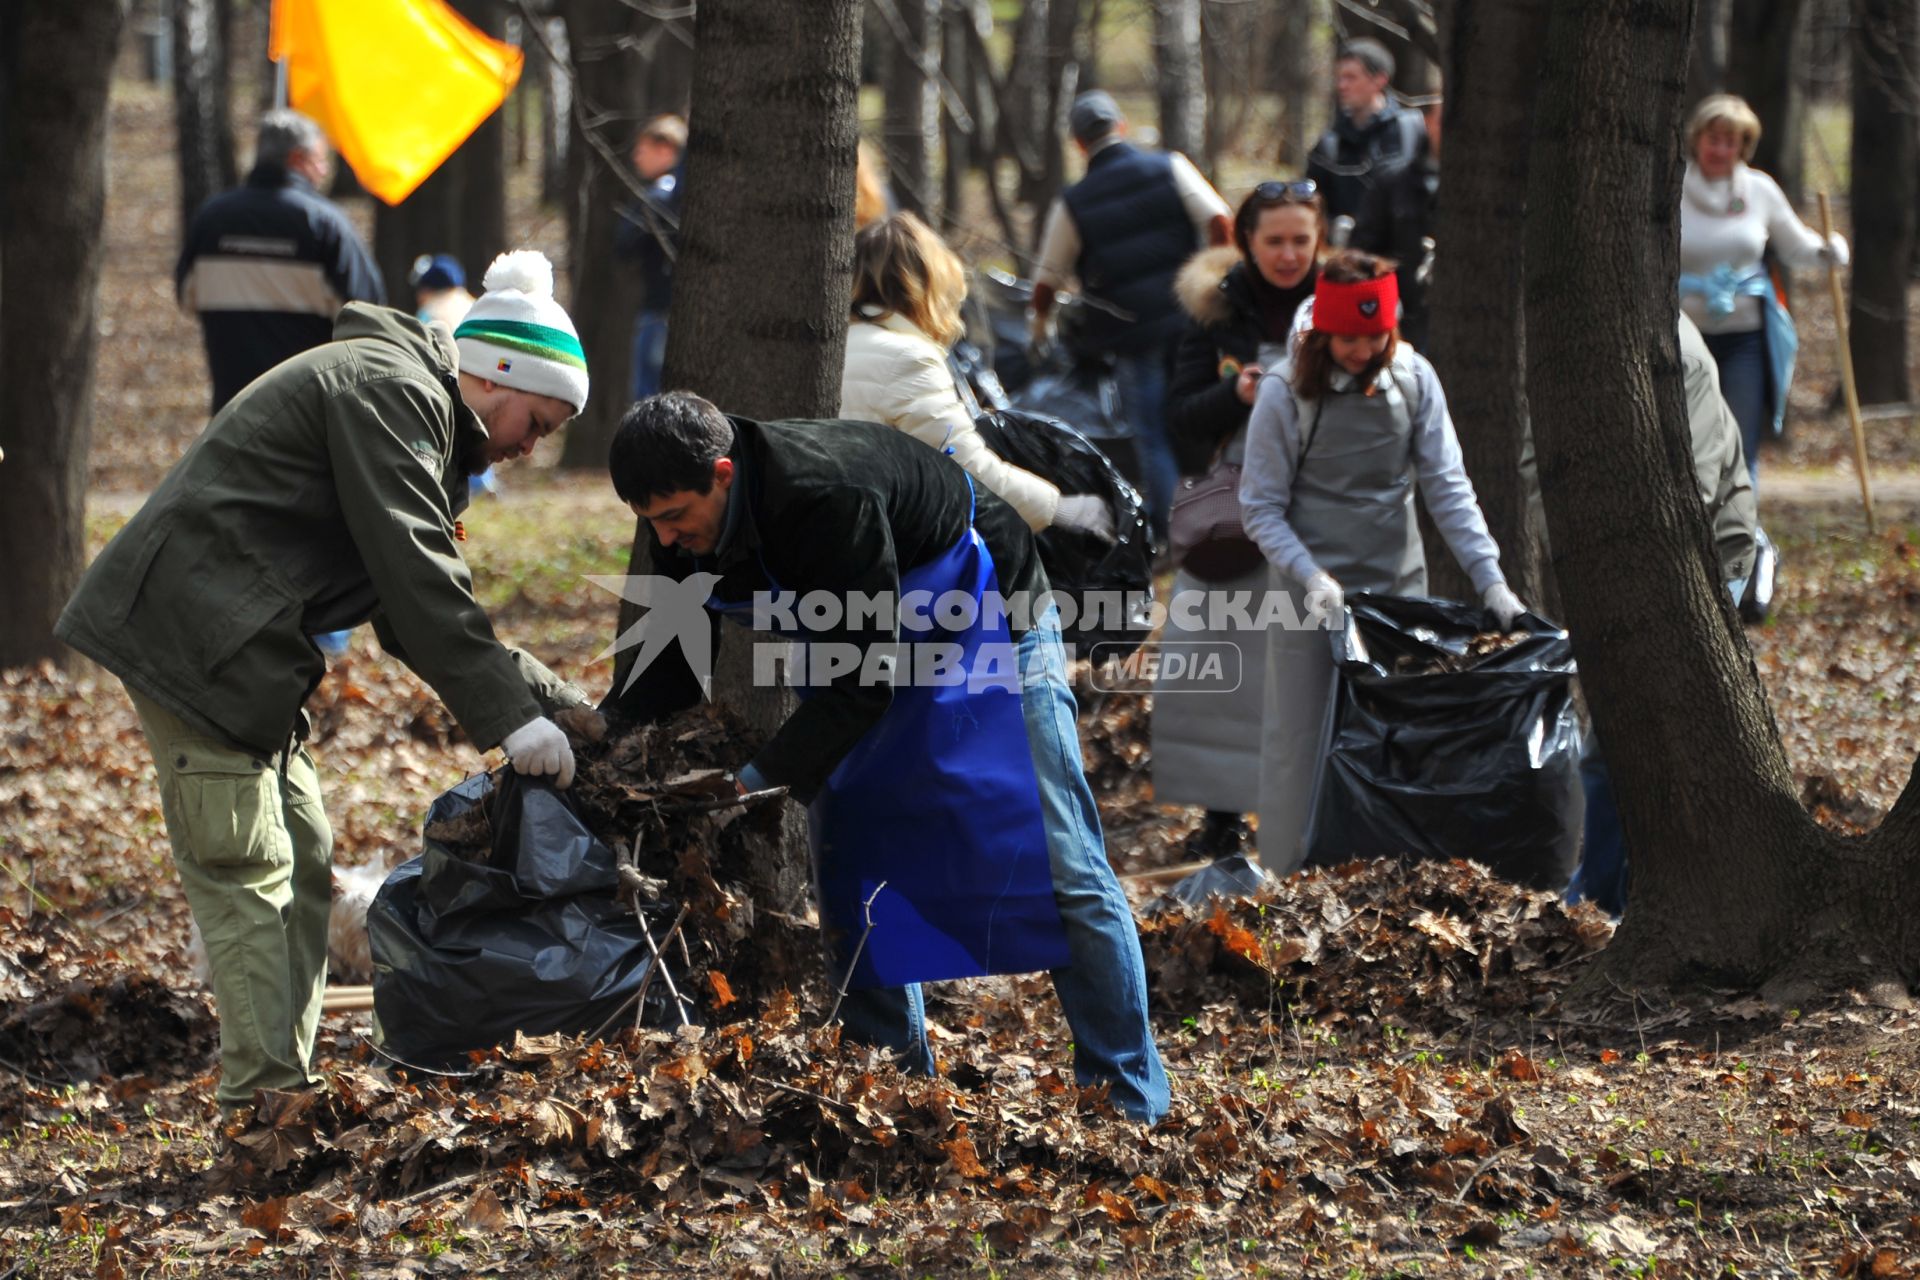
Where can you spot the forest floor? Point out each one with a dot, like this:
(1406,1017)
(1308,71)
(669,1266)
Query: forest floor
(1374,1069)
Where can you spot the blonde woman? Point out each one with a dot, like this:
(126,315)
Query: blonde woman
(907,290)
(1730,215)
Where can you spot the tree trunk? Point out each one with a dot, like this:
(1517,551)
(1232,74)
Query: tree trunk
(1707,69)
(1229,38)
(1179,88)
(56,61)
(1479,327)
(766,205)
(1764,38)
(462,206)
(1292,62)
(1733,883)
(608,85)
(202,113)
(963,146)
(1062,70)
(556,109)
(911,128)
(1886,186)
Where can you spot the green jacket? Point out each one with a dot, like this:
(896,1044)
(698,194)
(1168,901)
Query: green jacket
(321,496)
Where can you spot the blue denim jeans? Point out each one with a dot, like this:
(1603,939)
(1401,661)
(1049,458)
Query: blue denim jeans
(1103,992)
(1742,358)
(1141,380)
(649,352)
(1602,876)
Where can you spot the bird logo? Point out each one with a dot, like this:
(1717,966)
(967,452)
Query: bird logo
(676,613)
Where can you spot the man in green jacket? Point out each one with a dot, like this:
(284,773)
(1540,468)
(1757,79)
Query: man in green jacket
(322,496)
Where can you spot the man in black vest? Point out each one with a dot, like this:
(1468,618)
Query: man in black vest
(1125,229)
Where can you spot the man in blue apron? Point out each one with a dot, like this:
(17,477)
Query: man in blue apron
(954,833)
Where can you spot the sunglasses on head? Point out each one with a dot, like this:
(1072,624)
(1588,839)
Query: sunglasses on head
(1302,191)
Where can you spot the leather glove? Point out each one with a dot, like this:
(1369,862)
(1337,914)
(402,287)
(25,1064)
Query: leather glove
(1836,251)
(1085,513)
(539,748)
(1327,599)
(1505,605)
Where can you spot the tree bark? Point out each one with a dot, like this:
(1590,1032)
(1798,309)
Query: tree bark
(56,61)
(1479,326)
(1179,86)
(1292,62)
(556,108)
(1707,68)
(202,112)
(911,128)
(766,205)
(1886,186)
(1733,883)
(1764,38)
(608,87)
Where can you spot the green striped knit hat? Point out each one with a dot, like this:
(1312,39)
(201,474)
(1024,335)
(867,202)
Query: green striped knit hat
(518,336)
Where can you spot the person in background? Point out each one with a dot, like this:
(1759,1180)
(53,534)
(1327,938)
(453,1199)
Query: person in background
(439,289)
(1373,135)
(907,290)
(649,232)
(1337,440)
(1396,220)
(267,266)
(871,199)
(1720,473)
(1239,300)
(324,495)
(1124,230)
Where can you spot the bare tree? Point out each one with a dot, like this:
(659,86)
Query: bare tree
(912,126)
(1292,61)
(1764,43)
(1733,883)
(766,204)
(1479,327)
(202,108)
(56,61)
(1886,187)
(1179,84)
(1707,68)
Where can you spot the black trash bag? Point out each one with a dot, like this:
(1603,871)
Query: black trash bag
(1079,564)
(1481,761)
(1234,876)
(533,939)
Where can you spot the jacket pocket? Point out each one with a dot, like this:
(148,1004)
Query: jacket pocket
(230,804)
(266,599)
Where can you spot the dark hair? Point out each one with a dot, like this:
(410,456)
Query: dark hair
(1370,54)
(667,444)
(1313,363)
(1304,194)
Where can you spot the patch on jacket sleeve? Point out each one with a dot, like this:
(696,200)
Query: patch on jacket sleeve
(428,455)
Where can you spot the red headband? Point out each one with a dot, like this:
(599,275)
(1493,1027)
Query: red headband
(1366,307)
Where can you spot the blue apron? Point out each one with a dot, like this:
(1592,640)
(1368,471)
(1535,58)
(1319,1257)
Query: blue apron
(939,801)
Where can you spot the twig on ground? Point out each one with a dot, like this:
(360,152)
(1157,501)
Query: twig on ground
(866,909)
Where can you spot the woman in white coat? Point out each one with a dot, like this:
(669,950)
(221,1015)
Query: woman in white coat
(907,291)
(1338,437)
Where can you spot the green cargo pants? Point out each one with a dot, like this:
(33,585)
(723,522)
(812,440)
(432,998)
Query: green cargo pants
(255,854)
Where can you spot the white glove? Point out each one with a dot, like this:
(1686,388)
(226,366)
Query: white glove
(1836,250)
(539,748)
(1505,605)
(1326,600)
(1085,513)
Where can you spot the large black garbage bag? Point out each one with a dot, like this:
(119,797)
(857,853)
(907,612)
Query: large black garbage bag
(1479,761)
(532,939)
(1078,564)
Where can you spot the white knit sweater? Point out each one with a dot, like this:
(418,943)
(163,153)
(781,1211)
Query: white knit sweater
(1732,220)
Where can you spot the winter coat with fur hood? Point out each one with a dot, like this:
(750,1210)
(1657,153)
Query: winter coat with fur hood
(1225,328)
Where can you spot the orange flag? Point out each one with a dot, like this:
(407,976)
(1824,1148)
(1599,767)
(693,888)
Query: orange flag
(397,84)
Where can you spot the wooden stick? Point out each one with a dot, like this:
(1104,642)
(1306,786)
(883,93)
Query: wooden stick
(346,999)
(1164,875)
(1847,383)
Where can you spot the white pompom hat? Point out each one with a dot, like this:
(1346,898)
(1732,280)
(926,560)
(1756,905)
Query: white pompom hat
(518,336)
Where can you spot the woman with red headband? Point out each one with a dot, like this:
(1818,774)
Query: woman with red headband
(1338,437)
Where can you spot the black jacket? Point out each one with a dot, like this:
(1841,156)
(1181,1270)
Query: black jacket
(633,237)
(267,266)
(831,506)
(1350,158)
(1395,219)
(1224,331)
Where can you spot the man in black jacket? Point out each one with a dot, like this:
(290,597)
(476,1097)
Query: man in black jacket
(965,850)
(1372,137)
(268,265)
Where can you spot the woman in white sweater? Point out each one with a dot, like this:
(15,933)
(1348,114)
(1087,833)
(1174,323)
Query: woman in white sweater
(1729,216)
(907,291)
